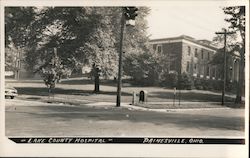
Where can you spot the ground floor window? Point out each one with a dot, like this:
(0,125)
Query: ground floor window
(208,71)
(188,66)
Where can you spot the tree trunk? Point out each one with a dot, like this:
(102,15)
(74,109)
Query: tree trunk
(97,80)
(240,85)
(97,84)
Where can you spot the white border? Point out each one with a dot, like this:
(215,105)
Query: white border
(8,148)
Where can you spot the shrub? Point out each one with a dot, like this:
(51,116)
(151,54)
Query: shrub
(185,81)
(207,84)
(231,86)
(198,84)
(169,80)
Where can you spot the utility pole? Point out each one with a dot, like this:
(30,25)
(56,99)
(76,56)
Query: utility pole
(119,82)
(128,16)
(225,33)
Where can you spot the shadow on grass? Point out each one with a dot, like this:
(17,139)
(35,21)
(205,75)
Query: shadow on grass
(44,91)
(77,81)
(112,83)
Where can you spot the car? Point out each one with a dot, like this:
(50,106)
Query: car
(10,92)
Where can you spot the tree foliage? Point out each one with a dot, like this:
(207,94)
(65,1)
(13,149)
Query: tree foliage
(82,35)
(236,18)
(52,71)
(143,68)
(18,25)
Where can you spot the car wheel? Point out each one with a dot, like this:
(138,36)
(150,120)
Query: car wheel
(12,97)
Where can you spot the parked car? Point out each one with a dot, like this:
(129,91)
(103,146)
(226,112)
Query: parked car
(10,92)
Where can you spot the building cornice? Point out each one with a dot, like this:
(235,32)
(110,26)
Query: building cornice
(183,40)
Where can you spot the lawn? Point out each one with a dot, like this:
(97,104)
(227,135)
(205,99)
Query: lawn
(82,89)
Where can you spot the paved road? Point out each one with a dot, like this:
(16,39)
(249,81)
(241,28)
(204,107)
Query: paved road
(33,118)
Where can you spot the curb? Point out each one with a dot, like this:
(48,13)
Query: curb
(175,110)
(125,105)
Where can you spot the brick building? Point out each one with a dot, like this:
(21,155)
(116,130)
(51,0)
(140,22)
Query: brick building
(184,54)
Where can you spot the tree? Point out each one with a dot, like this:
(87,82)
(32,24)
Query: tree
(231,55)
(143,68)
(17,33)
(236,18)
(100,48)
(17,25)
(82,35)
(140,61)
(52,71)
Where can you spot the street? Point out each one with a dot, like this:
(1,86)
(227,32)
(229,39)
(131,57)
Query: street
(34,118)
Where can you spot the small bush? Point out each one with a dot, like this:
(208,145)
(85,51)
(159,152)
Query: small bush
(231,86)
(198,84)
(170,80)
(207,84)
(185,82)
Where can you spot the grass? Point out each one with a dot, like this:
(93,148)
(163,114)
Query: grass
(82,89)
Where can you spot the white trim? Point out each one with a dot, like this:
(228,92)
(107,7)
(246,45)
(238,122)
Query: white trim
(181,40)
(197,45)
(165,41)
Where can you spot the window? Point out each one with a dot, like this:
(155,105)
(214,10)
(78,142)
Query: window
(208,55)
(213,72)
(188,66)
(207,73)
(159,48)
(195,66)
(202,54)
(154,46)
(18,65)
(196,52)
(189,50)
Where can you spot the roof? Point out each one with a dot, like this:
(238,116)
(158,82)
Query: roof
(205,43)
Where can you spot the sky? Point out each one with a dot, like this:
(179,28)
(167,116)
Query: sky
(200,22)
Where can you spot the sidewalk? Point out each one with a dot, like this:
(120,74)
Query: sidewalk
(150,106)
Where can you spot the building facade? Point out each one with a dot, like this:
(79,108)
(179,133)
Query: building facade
(184,54)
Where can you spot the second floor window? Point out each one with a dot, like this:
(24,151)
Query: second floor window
(159,48)
(196,52)
(154,47)
(189,50)
(195,66)
(202,54)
